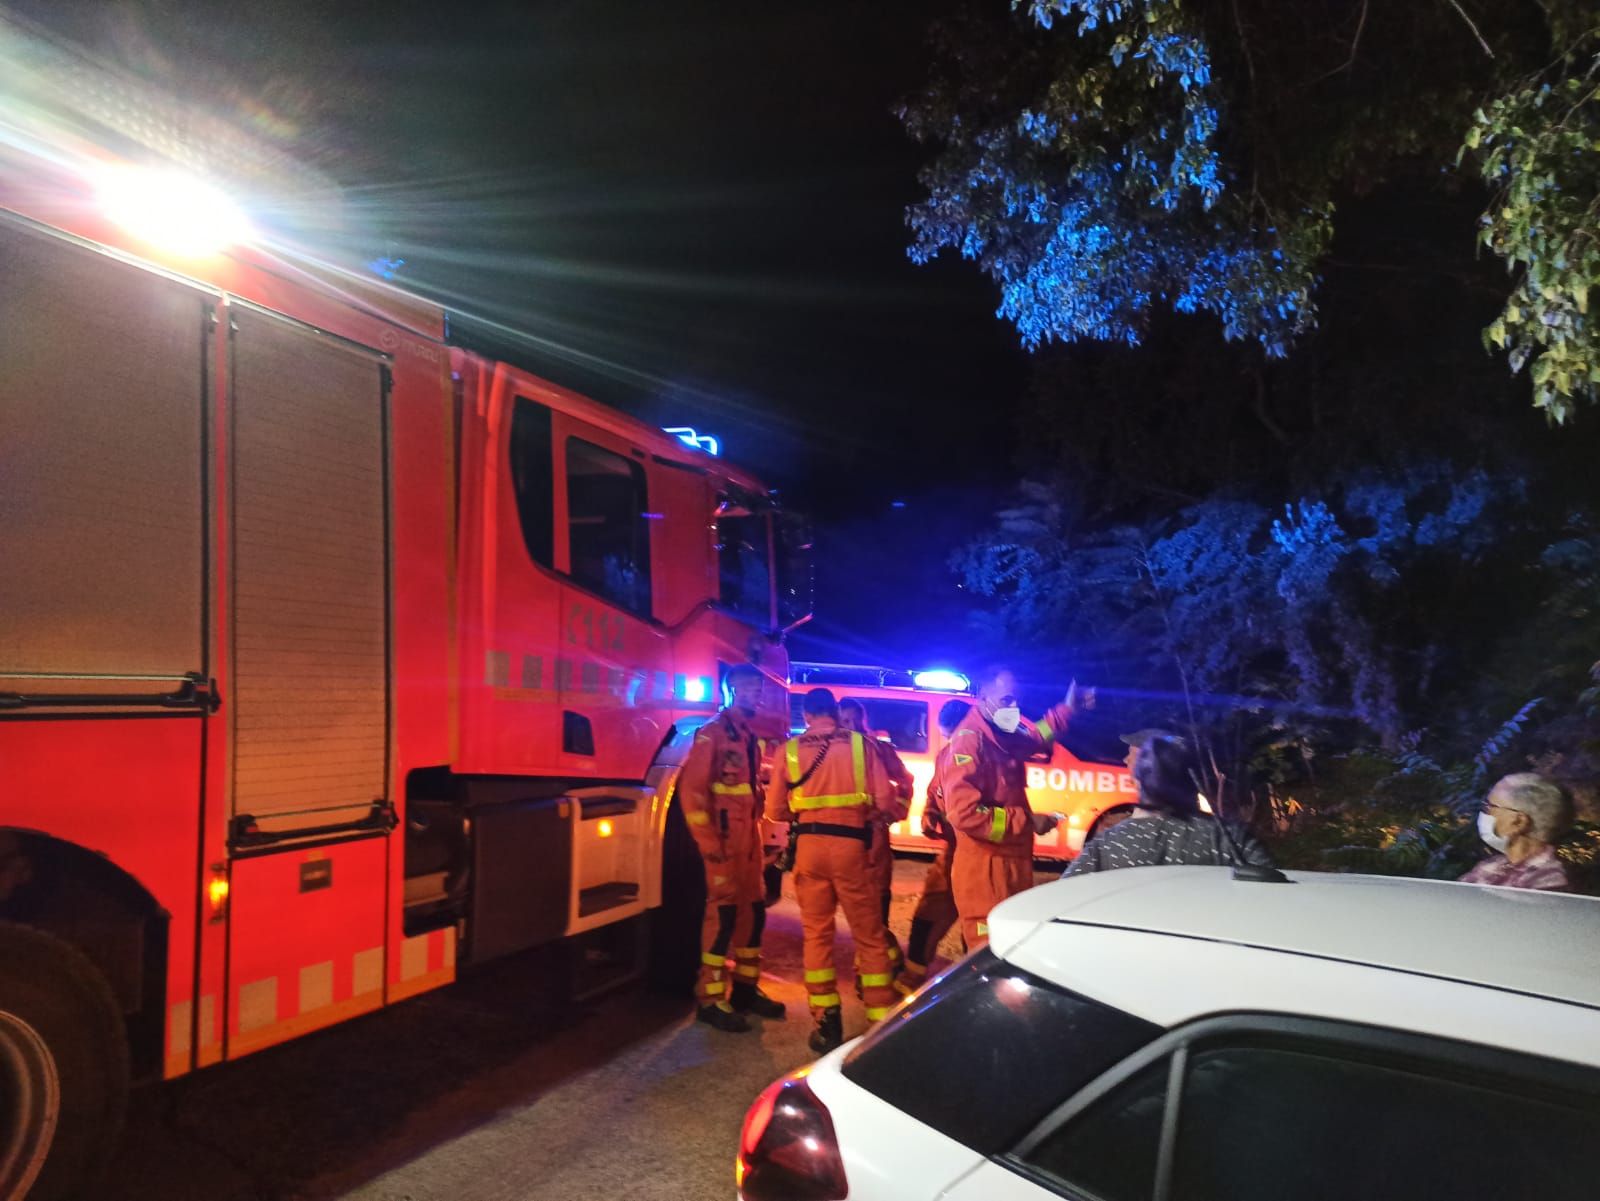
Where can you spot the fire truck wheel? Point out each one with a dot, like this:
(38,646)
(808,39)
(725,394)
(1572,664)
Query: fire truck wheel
(63,1068)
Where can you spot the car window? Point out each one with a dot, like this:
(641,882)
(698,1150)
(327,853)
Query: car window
(1266,1123)
(1110,1149)
(905,722)
(987,1050)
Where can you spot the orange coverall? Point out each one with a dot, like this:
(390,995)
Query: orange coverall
(834,807)
(880,857)
(986,801)
(936,908)
(718,791)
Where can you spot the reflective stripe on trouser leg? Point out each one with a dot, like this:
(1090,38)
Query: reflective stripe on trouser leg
(859,897)
(813,889)
(747,964)
(717,933)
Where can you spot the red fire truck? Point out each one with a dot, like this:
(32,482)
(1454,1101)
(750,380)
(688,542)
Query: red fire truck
(903,708)
(332,657)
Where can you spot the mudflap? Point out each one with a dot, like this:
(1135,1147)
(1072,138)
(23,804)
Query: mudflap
(674,935)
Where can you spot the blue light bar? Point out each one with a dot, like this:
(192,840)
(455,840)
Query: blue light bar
(942,679)
(689,437)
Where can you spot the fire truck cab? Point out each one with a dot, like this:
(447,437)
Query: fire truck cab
(332,655)
(903,708)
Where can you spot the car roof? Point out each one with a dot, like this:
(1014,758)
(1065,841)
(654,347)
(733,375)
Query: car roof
(1517,940)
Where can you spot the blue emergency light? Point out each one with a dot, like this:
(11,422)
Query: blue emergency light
(941,679)
(690,437)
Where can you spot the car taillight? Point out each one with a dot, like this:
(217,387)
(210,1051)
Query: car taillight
(787,1150)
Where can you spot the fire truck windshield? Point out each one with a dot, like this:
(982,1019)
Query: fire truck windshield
(793,542)
(743,563)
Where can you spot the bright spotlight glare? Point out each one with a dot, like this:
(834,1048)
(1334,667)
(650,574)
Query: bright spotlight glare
(941,679)
(172,211)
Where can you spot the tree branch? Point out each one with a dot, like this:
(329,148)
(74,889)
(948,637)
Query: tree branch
(1456,4)
(1355,45)
(1244,45)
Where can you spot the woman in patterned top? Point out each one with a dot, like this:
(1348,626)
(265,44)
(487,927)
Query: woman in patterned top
(1168,826)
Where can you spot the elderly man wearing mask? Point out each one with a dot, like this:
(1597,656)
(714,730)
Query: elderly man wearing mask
(1523,818)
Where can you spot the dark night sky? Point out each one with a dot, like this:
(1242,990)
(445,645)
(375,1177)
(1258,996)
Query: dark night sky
(694,207)
(700,201)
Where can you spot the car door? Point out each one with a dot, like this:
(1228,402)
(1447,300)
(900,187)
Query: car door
(1262,1107)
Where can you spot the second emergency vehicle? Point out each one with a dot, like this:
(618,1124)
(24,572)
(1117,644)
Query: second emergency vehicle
(902,708)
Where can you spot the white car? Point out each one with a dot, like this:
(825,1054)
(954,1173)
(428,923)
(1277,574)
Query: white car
(1174,1034)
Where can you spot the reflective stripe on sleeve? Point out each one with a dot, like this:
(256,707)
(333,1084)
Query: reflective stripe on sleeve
(997,825)
(1045,731)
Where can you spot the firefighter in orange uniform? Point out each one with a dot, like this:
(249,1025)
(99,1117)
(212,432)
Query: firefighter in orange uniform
(986,801)
(936,908)
(718,789)
(831,785)
(880,858)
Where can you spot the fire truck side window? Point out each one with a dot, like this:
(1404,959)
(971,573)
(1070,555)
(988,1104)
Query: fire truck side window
(533,479)
(608,532)
(742,563)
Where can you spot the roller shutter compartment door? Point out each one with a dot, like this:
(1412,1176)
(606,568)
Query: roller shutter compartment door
(102,378)
(309,575)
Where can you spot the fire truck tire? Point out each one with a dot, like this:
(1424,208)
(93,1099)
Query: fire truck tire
(63,1069)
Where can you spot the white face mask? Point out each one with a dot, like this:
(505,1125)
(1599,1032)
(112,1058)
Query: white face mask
(1486,832)
(1007,719)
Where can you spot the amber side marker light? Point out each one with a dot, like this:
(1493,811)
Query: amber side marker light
(217,890)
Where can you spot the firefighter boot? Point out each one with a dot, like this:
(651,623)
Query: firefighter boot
(829,1032)
(720,1017)
(748,998)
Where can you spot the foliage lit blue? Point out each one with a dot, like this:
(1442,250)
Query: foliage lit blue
(1307,605)
(1100,200)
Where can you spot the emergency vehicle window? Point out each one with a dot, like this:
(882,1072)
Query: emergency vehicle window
(743,567)
(985,1052)
(609,535)
(906,722)
(533,478)
(1255,1123)
(795,585)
